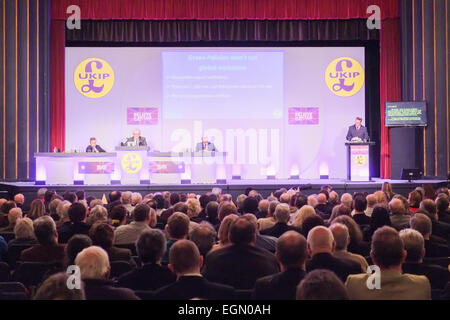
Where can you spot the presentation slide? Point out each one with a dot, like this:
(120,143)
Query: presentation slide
(273,110)
(406,113)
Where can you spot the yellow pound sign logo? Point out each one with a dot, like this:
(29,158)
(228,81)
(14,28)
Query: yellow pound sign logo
(344,76)
(94,78)
(360,160)
(131,162)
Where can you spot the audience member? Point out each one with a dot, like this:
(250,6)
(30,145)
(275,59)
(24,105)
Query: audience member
(24,233)
(177,228)
(129,233)
(76,225)
(321,284)
(282,216)
(13,215)
(55,288)
(433,249)
(75,245)
(342,239)
(399,216)
(204,237)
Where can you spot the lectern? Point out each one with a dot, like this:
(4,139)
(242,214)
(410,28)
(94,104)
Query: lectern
(358,161)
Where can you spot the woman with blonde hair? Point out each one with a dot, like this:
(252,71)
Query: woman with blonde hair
(381,198)
(194,209)
(37,209)
(303,213)
(387,189)
(223,231)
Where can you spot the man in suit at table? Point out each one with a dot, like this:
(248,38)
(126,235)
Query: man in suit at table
(357,132)
(205,145)
(185,262)
(136,140)
(93,146)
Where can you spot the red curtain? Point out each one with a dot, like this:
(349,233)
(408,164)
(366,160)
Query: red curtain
(224,9)
(57,83)
(390,86)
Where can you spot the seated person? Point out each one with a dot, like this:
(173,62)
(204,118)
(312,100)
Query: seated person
(93,147)
(136,140)
(357,132)
(205,145)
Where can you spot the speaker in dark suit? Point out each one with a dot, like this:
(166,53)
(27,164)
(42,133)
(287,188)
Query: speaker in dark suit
(357,131)
(93,146)
(136,140)
(205,145)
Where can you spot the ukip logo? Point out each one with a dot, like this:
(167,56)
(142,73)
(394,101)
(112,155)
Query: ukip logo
(360,160)
(344,76)
(94,78)
(131,162)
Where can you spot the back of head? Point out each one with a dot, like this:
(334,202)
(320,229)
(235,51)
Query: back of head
(321,198)
(421,223)
(55,288)
(429,191)
(75,245)
(321,285)
(174,198)
(282,213)
(204,237)
(102,235)
(250,205)
(118,215)
(320,239)
(70,196)
(45,230)
(353,229)
(77,212)
(114,196)
(41,193)
(178,225)
(126,197)
(430,206)
(160,201)
(93,263)
(396,206)
(311,222)
(225,209)
(8,205)
(141,212)
(387,248)
(80,195)
(415,197)
(263,207)
(301,200)
(442,203)
(380,217)
(136,198)
(53,205)
(347,199)
(151,246)
(371,200)
(381,197)
(24,229)
(224,228)
(285,198)
(413,243)
(212,210)
(303,213)
(14,214)
(340,235)
(291,249)
(242,231)
(203,199)
(184,257)
(272,206)
(360,203)
(181,207)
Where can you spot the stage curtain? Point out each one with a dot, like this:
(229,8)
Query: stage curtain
(224,9)
(227,10)
(133,31)
(390,84)
(57,104)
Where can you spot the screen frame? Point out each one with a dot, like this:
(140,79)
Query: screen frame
(405,125)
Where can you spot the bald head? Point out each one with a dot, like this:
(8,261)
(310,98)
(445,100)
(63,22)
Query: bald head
(285,198)
(19,198)
(184,257)
(291,249)
(396,206)
(340,235)
(347,199)
(320,240)
(263,207)
(321,198)
(371,200)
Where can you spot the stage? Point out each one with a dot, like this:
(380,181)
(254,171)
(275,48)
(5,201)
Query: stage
(233,187)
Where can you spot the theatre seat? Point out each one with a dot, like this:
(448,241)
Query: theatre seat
(13,291)
(14,252)
(118,268)
(32,274)
(8,236)
(244,294)
(5,272)
(130,246)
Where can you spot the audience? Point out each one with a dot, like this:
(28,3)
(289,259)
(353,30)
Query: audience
(342,240)
(291,255)
(388,254)
(241,263)
(177,228)
(399,216)
(151,246)
(13,215)
(77,223)
(95,270)
(186,262)
(360,206)
(23,233)
(48,250)
(19,199)
(75,245)
(321,246)
(55,288)
(282,216)
(129,233)
(204,237)
(321,284)
(433,249)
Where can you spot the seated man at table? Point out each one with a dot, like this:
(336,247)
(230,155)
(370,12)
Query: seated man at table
(205,145)
(136,140)
(93,146)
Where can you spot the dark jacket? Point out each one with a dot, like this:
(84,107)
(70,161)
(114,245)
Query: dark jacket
(40,253)
(436,250)
(341,267)
(151,276)
(361,219)
(188,287)
(68,229)
(90,149)
(105,290)
(278,229)
(142,141)
(120,254)
(239,265)
(280,286)
(209,147)
(438,276)
(361,133)
(266,242)
(325,210)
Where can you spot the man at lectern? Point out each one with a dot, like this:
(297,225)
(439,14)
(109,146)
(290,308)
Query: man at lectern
(93,146)
(357,132)
(136,140)
(205,145)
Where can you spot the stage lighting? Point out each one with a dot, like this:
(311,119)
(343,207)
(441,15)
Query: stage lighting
(324,176)
(78,182)
(39,182)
